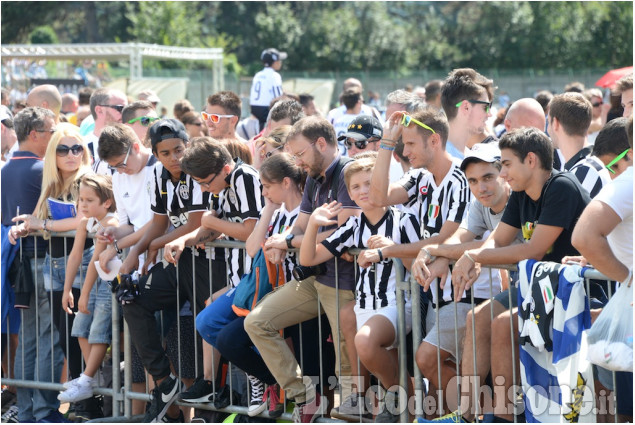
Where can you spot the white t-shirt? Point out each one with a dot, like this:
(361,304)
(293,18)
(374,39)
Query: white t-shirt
(266,86)
(133,194)
(619,196)
(341,110)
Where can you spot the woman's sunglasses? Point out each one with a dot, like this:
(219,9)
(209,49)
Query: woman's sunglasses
(63,150)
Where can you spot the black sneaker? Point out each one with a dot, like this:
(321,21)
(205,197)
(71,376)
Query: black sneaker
(256,390)
(7,399)
(86,410)
(201,391)
(162,398)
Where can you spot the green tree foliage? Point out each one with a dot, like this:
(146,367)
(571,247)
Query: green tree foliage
(353,36)
(43,35)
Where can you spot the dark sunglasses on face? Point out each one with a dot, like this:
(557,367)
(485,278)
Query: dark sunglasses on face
(145,121)
(63,150)
(118,108)
(359,144)
(596,104)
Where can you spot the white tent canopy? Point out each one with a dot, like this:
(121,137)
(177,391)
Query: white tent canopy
(134,52)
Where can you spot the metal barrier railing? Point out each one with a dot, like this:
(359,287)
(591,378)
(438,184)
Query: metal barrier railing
(122,393)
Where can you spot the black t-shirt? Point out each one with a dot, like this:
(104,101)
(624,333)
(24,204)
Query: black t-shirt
(562,201)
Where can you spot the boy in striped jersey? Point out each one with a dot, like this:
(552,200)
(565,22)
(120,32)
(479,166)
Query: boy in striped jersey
(177,202)
(240,200)
(569,119)
(375,308)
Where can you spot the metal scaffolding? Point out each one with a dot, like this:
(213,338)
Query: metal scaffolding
(134,52)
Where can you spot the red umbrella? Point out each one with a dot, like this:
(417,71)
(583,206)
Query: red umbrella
(610,78)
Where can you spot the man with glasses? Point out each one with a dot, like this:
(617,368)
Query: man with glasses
(132,165)
(106,106)
(466,97)
(139,116)
(438,191)
(313,145)
(39,355)
(221,115)
(569,118)
(612,147)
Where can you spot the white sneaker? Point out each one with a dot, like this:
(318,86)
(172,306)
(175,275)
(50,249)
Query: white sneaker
(71,383)
(77,392)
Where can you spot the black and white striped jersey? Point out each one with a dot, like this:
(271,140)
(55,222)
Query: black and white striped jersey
(241,200)
(176,200)
(592,174)
(437,204)
(376,285)
(281,221)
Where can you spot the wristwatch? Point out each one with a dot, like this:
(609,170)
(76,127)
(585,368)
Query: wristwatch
(288,239)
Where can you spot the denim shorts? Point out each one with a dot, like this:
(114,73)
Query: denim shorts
(97,325)
(54,271)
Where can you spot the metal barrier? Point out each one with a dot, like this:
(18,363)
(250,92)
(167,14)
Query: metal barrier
(122,393)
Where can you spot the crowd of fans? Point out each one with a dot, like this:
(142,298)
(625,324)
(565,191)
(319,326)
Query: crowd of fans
(437,181)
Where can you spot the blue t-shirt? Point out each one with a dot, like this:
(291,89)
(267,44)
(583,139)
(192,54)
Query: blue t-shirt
(21,186)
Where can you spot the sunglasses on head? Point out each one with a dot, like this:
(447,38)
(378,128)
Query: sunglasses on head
(359,144)
(215,118)
(406,120)
(145,121)
(488,105)
(617,158)
(63,150)
(118,108)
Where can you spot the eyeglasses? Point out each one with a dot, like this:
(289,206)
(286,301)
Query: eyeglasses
(407,119)
(63,150)
(145,121)
(271,152)
(118,108)
(360,144)
(617,158)
(215,118)
(53,130)
(207,183)
(124,164)
(478,102)
(299,155)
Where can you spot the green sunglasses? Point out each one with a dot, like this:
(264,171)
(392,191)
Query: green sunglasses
(145,121)
(617,158)
(407,119)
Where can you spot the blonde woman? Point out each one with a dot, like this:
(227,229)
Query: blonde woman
(66,160)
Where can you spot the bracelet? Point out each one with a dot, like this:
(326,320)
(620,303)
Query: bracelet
(470,257)
(427,253)
(387,147)
(114,243)
(381,256)
(44,225)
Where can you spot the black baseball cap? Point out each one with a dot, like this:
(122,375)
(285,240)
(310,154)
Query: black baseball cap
(363,127)
(168,128)
(269,56)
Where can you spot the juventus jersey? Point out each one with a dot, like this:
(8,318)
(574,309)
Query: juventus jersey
(437,204)
(176,200)
(241,200)
(376,285)
(281,221)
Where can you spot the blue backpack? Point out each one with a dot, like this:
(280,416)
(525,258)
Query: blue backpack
(263,278)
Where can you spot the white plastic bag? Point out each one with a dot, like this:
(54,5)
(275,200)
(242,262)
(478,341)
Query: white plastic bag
(611,336)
